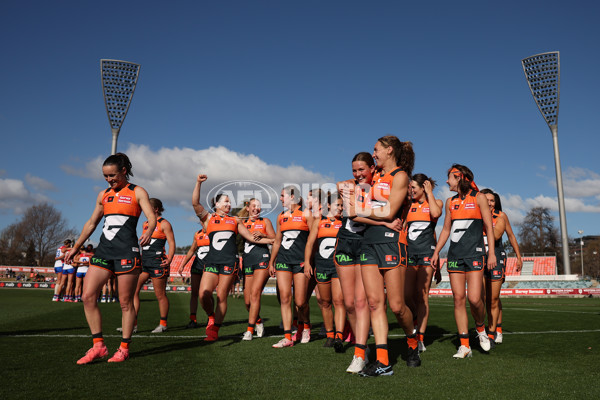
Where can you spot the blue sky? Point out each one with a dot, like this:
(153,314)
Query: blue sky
(289,91)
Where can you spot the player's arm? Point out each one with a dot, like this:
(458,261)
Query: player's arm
(168,230)
(488,226)
(198,208)
(308,250)
(88,228)
(444,235)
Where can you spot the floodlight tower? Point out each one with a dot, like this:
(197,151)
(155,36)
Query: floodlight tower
(542,72)
(118,84)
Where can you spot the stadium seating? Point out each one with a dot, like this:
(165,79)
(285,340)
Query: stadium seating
(553,285)
(176,263)
(531,266)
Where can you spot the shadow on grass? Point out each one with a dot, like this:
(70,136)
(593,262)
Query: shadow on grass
(398,348)
(179,345)
(42,331)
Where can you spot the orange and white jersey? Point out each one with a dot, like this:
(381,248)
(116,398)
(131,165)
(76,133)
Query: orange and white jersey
(203,243)
(255,253)
(420,229)
(498,245)
(156,247)
(222,230)
(294,230)
(351,229)
(466,232)
(326,238)
(121,213)
(378,198)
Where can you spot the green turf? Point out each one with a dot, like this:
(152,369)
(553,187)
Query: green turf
(40,342)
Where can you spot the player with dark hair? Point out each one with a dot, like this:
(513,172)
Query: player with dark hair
(117,254)
(156,263)
(421,220)
(323,233)
(467,216)
(222,255)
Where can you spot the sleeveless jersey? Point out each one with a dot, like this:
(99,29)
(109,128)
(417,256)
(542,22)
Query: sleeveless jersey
(294,230)
(59,253)
(255,253)
(203,243)
(222,232)
(83,258)
(326,238)
(351,229)
(466,232)
(421,229)
(156,247)
(380,193)
(498,243)
(121,213)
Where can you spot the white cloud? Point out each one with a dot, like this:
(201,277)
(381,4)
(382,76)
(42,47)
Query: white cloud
(92,169)
(13,189)
(16,197)
(39,183)
(580,182)
(170,173)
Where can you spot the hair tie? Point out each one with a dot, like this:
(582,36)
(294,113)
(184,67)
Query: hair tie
(459,175)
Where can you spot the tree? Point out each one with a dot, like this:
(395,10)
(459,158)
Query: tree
(539,235)
(537,232)
(46,228)
(13,245)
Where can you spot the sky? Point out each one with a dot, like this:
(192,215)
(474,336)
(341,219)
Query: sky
(280,92)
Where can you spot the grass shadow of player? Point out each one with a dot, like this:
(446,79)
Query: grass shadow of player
(173,346)
(42,331)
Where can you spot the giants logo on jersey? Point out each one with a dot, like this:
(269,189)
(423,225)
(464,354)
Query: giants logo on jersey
(220,238)
(459,227)
(416,228)
(288,239)
(327,247)
(112,225)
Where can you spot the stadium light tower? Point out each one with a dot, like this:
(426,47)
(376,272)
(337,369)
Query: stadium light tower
(581,244)
(542,72)
(118,84)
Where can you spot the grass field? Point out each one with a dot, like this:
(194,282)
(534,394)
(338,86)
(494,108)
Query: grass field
(551,350)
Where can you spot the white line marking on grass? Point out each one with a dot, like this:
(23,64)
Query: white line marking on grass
(135,336)
(529,309)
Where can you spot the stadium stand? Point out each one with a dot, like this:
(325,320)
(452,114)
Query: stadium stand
(553,285)
(511,266)
(528,265)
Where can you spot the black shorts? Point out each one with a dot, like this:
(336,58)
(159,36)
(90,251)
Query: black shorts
(325,272)
(497,274)
(471,264)
(293,268)
(116,266)
(384,255)
(419,260)
(249,269)
(219,269)
(197,267)
(153,267)
(347,252)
